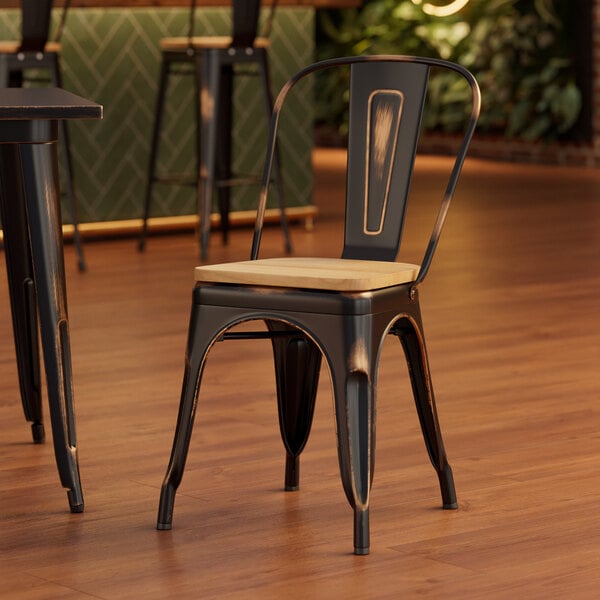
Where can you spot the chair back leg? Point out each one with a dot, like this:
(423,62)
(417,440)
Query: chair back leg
(297,367)
(413,342)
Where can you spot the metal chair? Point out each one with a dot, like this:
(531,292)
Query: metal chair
(213,63)
(343,308)
(23,61)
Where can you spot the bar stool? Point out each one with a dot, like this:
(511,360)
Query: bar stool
(211,61)
(34,53)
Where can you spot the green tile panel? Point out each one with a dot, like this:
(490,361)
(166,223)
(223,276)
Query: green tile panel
(112,56)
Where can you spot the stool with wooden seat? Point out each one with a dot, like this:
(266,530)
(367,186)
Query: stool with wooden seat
(33,54)
(213,61)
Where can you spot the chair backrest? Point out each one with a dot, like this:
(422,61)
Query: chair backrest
(35,24)
(245,16)
(387,95)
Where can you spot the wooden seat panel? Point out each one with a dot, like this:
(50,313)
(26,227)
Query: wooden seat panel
(12,47)
(177,44)
(335,274)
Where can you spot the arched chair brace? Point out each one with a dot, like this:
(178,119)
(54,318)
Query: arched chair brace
(213,62)
(343,308)
(36,54)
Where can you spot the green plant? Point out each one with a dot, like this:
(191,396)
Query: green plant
(519,50)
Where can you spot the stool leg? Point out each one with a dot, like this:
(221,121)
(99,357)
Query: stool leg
(266,83)
(68,166)
(223,151)
(158,119)
(210,99)
(43,209)
(71,195)
(23,300)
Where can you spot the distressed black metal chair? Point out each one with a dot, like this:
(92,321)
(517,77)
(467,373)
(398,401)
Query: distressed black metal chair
(35,59)
(213,62)
(343,308)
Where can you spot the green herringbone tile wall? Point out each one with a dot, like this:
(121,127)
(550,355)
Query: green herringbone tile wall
(112,56)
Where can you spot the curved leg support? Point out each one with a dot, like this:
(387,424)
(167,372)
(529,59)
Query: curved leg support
(413,342)
(201,336)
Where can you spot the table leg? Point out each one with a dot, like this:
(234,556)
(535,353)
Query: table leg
(23,300)
(40,175)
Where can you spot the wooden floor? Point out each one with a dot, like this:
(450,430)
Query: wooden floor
(512,314)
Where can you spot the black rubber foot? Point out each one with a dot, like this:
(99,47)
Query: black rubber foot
(38,433)
(75,501)
(451,506)
(291,488)
(361,551)
(163,526)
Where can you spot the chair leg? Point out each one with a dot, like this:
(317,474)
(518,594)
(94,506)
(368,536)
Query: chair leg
(297,367)
(355,418)
(352,360)
(158,119)
(201,335)
(266,83)
(413,343)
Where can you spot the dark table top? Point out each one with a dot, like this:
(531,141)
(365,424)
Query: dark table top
(45,103)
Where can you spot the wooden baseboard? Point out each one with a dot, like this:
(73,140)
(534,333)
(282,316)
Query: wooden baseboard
(132,227)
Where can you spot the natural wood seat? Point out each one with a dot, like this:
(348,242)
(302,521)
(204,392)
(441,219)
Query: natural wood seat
(11,47)
(180,44)
(336,274)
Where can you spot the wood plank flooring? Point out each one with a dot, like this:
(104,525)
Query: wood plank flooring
(512,313)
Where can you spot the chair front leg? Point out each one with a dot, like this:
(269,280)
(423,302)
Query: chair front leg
(297,366)
(201,335)
(352,358)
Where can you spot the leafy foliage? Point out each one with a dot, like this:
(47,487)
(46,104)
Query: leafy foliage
(517,49)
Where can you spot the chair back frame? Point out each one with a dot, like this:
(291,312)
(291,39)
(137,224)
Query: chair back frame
(386,104)
(244,22)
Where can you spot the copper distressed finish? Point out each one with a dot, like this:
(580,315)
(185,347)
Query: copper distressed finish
(340,309)
(30,211)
